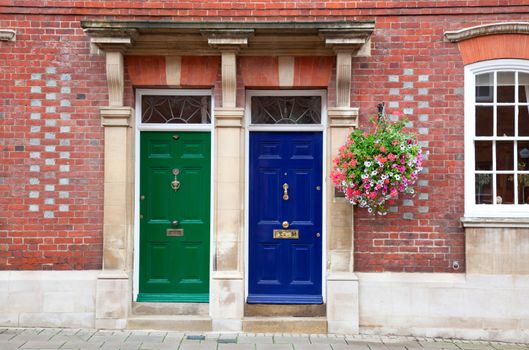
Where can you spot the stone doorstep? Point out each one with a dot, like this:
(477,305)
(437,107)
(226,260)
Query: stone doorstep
(283,310)
(170,323)
(305,325)
(170,309)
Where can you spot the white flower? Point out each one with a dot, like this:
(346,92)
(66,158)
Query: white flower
(384,176)
(402,147)
(367,163)
(370,210)
(397,177)
(373,173)
(364,176)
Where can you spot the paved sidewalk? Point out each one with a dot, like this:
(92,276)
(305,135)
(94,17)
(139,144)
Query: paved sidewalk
(48,338)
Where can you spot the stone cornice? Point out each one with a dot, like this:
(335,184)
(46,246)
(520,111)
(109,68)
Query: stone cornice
(487,29)
(7,35)
(252,39)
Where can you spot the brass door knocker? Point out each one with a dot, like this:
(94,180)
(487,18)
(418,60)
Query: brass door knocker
(175,184)
(285,191)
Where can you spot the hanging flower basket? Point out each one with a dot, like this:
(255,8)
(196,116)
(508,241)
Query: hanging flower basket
(373,168)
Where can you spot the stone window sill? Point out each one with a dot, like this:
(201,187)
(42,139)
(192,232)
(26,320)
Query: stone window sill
(495,222)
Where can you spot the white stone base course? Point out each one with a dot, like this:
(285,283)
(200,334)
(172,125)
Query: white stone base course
(47,298)
(489,307)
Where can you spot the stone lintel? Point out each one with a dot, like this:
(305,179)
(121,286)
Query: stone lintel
(511,222)
(116,116)
(227,117)
(7,35)
(343,117)
(456,36)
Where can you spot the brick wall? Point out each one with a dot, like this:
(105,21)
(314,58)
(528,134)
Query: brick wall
(51,140)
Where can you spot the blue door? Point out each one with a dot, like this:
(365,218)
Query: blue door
(285,223)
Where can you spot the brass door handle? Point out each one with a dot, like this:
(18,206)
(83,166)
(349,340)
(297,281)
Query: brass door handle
(174,223)
(285,224)
(285,191)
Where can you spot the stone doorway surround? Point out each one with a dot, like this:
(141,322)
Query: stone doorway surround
(229,40)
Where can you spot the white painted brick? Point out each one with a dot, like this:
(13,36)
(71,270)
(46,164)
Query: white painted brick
(65,129)
(408,111)
(49,135)
(393,78)
(34,142)
(35,116)
(65,103)
(407,85)
(63,207)
(51,70)
(36,89)
(49,201)
(33,207)
(34,155)
(34,181)
(49,214)
(63,194)
(34,128)
(34,168)
(408,71)
(50,161)
(65,155)
(51,109)
(34,194)
(394,91)
(51,122)
(65,90)
(64,181)
(36,103)
(64,168)
(51,82)
(424,78)
(49,188)
(51,96)
(66,116)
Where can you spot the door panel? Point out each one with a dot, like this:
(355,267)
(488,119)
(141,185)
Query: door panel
(285,271)
(174,266)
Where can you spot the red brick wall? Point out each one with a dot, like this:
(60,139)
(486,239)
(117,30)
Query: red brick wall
(51,216)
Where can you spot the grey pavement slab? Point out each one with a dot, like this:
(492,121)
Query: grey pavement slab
(82,345)
(274,347)
(356,345)
(312,346)
(42,345)
(291,340)
(236,347)
(438,345)
(199,346)
(255,339)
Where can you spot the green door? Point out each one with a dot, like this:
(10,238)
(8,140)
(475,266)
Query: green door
(174,217)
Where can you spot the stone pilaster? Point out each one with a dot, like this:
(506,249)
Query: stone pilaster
(227,282)
(113,288)
(342,283)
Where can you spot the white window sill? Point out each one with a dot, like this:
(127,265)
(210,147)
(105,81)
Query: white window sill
(503,222)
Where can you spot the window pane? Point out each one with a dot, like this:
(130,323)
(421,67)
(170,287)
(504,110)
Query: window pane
(523,87)
(286,109)
(523,155)
(483,155)
(523,120)
(505,86)
(505,189)
(505,121)
(484,86)
(176,109)
(483,188)
(504,155)
(523,188)
(484,120)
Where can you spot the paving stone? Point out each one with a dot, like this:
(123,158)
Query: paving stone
(159,346)
(121,346)
(42,345)
(236,347)
(82,345)
(291,340)
(327,340)
(509,346)
(145,338)
(438,345)
(10,345)
(352,345)
(256,339)
(199,346)
(274,347)
(313,346)
(474,345)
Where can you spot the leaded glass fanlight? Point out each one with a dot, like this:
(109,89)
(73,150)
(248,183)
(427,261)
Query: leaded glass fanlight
(176,109)
(286,109)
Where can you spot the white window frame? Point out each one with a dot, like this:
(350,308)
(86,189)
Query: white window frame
(489,210)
